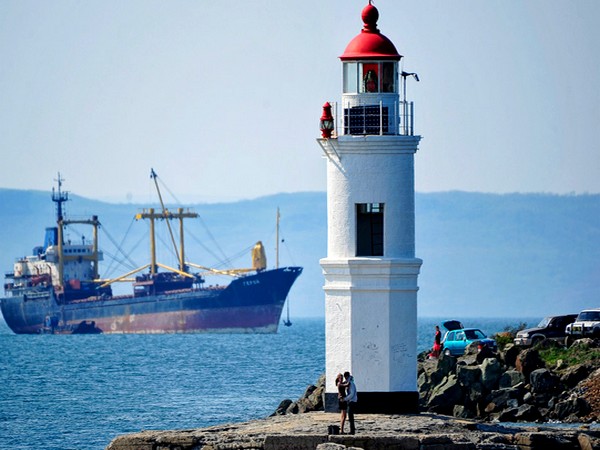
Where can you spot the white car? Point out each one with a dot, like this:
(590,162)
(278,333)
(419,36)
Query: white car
(587,324)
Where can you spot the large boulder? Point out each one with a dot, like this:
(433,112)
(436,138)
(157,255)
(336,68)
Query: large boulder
(571,408)
(509,355)
(510,378)
(475,393)
(573,375)
(585,343)
(472,348)
(508,415)
(468,375)
(528,361)
(282,408)
(464,412)
(527,413)
(311,400)
(543,382)
(491,370)
(446,365)
(445,396)
(500,399)
(424,387)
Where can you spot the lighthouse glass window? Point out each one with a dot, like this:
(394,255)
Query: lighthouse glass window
(350,78)
(369,229)
(370,77)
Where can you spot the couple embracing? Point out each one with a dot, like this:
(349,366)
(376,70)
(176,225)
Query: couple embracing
(347,399)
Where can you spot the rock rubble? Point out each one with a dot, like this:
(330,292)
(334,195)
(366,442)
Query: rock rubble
(512,386)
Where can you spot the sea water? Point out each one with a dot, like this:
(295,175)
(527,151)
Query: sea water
(80,391)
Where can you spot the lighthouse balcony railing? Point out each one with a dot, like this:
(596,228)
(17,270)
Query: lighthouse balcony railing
(374,116)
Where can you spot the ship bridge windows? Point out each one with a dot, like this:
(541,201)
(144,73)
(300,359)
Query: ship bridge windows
(77,250)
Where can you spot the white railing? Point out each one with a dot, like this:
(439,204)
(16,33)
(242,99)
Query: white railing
(360,115)
(408,118)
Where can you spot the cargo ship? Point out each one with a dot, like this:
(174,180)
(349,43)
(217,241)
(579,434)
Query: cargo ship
(58,290)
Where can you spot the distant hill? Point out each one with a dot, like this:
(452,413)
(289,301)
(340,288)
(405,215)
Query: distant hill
(510,255)
(514,255)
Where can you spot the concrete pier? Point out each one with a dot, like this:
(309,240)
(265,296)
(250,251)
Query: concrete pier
(374,432)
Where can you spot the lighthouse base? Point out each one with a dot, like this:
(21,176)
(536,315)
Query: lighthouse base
(378,402)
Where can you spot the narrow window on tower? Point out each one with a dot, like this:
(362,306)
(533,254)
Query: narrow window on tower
(369,229)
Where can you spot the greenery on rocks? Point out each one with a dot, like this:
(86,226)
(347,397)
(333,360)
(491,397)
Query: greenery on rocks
(551,352)
(566,357)
(508,335)
(503,339)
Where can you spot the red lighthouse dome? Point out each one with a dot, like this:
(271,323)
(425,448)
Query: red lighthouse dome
(370,43)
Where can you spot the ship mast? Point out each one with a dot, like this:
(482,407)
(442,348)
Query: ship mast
(59,197)
(288,322)
(166,215)
(277,240)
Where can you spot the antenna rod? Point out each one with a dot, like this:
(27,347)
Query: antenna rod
(59,198)
(277,241)
(166,214)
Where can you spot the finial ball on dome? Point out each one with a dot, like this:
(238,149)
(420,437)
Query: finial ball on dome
(370,16)
(370,43)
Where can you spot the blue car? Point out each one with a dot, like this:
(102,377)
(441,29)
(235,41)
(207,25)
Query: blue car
(458,338)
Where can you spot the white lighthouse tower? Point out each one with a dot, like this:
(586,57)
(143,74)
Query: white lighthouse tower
(371,270)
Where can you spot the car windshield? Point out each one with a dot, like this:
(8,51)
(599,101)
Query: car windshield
(474,334)
(589,316)
(544,322)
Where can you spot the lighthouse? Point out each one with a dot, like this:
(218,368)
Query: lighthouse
(371,269)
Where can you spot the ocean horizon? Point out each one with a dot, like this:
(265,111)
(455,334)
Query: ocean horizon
(81,391)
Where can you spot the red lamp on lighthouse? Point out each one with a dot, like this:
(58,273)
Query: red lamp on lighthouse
(326,121)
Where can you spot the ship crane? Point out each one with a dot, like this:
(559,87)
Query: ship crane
(167,215)
(259,261)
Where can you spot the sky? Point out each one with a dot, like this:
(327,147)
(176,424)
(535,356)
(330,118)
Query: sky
(222,98)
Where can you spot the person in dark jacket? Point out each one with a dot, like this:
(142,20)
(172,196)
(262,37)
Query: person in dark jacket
(351,398)
(343,404)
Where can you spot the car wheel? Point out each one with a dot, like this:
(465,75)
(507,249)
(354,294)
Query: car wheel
(569,341)
(447,352)
(536,340)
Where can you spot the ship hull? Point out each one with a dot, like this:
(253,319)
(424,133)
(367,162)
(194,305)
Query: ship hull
(250,304)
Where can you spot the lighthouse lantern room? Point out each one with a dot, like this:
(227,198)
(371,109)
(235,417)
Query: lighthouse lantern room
(370,269)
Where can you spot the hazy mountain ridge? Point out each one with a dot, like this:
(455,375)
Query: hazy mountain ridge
(484,254)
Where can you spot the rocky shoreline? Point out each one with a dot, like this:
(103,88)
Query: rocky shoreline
(463,401)
(514,385)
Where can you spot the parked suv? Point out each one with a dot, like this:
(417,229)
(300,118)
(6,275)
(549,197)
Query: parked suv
(552,327)
(587,324)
